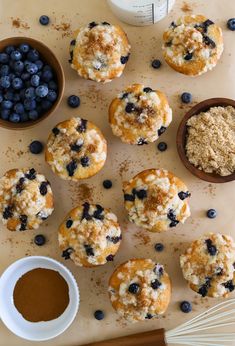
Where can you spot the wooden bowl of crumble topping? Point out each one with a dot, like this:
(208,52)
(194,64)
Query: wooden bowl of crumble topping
(182,138)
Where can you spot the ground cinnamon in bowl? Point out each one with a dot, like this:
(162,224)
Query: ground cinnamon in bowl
(41,295)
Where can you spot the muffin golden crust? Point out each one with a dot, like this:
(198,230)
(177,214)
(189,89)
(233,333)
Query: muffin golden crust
(90,235)
(140,289)
(209,265)
(156,200)
(76,149)
(99,51)
(26,199)
(192,45)
(139,115)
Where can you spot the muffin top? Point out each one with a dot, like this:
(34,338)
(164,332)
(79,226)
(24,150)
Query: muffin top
(25,199)
(90,235)
(99,51)
(140,289)
(192,44)
(139,114)
(156,200)
(209,265)
(76,149)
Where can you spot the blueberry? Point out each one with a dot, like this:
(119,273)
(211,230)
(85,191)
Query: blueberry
(162,146)
(23,220)
(134,288)
(5,114)
(208,41)
(16,55)
(231,24)
(14,118)
(210,247)
(5,82)
(124,59)
(52,85)
(124,96)
(46,104)
(33,114)
(69,223)
(128,197)
(7,213)
(7,104)
(73,42)
(31,68)
(89,250)
(24,47)
(47,68)
(71,168)
(92,25)
(25,76)
(73,101)
(156,63)
(44,20)
(203,290)
(155,284)
(130,107)
(31,174)
(186,97)
(185,307)
(39,64)
(35,80)
(4,70)
(182,195)
(82,127)
(67,253)
(52,95)
(39,239)
(110,258)
(85,161)
(188,56)
(107,184)
(17,83)
(4,58)
(99,315)
(1,98)
(161,130)
(33,55)
(55,131)
(9,95)
(36,147)
(76,147)
(41,91)
(18,66)
(105,23)
(147,90)
(43,188)
(30,93)
(9,49)
(229,285)
(29,104)
(141,194)
(47,75)
(159,247)
(19,108)
(211,213)
(148,317)
(24,117)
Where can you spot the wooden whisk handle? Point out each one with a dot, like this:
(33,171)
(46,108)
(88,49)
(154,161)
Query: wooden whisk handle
(152,338)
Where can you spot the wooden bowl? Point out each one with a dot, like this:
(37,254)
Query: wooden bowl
(182,136)
(47,56)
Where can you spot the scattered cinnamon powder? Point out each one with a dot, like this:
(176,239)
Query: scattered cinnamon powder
(64,28)
(143,238)
(19,23)
(124,166)
(81,193)
(186,7)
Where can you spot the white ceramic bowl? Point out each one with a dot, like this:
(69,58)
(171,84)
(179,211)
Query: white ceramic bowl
(35,331)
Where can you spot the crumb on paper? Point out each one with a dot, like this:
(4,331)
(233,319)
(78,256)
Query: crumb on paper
(186,7)
(81,193)
(64,28)
(18,23)
(124,167)
(142,237)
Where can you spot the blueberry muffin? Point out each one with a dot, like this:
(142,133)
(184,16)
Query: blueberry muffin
(156,200)
(140,289)
(99,51)
(76,149)
(192,45)
(209,265)
(90,235)
(26,199)
(139,114)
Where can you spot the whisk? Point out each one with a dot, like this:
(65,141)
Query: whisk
(196,332)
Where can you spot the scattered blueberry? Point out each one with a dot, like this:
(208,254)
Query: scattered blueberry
(36,147)
(73,101)
(211,213)
(185,307)
(99,315)
(134,288)
(162,146)
(39,239)
(44,20)
(231,24)
(107,184)
(159,247)
(186,97)
(156,63)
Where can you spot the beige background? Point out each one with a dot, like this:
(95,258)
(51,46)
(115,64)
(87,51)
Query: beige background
(123,160)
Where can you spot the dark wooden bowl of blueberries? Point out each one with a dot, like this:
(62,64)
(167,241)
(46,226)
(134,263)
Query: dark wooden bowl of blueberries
(31,82)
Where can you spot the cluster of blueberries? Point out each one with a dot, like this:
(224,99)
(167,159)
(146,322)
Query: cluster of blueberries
(28,86)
